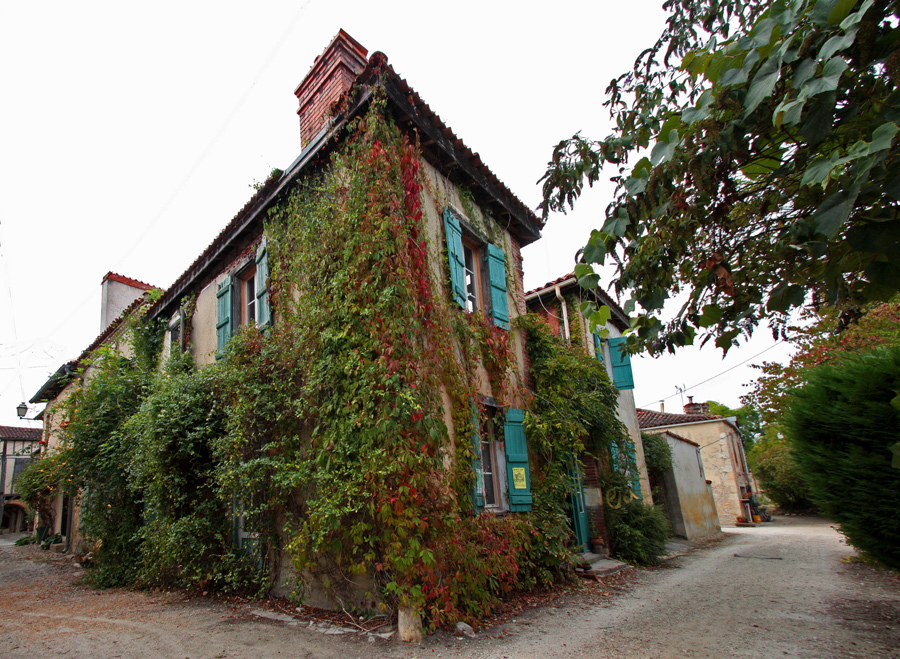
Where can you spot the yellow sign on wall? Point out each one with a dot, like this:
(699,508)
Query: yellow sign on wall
(519,478)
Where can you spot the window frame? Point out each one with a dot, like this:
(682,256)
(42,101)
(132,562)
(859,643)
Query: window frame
(489,291)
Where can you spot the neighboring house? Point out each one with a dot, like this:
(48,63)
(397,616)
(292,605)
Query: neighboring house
(558,302)
(120,295)
(684,492)
(721,450)
(19,444)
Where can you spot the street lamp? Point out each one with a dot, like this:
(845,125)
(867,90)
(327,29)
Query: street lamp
(21,409)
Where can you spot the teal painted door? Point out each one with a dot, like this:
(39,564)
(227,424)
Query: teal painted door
(578,510)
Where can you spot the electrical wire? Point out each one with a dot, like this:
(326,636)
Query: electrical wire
(198,161)
(693,386)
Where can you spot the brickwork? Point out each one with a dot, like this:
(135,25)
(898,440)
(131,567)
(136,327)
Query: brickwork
(331,75)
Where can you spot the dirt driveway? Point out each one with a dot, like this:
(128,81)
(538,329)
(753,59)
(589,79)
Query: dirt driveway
(780,590)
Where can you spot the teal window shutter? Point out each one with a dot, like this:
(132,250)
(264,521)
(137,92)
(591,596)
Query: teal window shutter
(223,324)
(263,313)
(478,486)
(621,364)
(497,275)
(456,258)
(598,348)
(518,476)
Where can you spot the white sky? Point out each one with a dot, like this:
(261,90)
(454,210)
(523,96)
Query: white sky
(130,134)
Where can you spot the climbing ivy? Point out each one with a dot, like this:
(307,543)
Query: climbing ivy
(342,434)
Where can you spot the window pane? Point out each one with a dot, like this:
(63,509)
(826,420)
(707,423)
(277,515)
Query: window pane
(470,279)
(250,297)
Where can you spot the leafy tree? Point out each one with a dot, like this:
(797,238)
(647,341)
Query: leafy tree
(841,425)
(747,419)
(772,461)
(819,343)
(771,175)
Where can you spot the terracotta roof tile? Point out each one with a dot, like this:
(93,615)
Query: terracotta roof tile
(604,297)
(13,432)
(651,419)
(128,281)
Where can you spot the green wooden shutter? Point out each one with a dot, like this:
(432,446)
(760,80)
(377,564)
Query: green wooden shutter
(263,314)
(497,275)
(621,364)
(456,258)
(223,325)
(478,486)
(598,348)
(518,476)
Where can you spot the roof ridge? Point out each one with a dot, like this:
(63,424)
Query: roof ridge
(136,283)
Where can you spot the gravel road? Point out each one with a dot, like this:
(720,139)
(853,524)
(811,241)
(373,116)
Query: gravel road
(779,590)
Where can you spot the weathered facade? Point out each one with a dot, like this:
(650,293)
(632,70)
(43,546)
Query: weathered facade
(686,494)
(722,452)
(18,446)
(558,303)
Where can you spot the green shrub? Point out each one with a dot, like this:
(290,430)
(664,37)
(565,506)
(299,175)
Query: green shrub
(772,461)
(657,452)
(638,532)
(842,424)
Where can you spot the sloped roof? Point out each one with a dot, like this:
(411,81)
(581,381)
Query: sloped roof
(440,147)
(14,432)
(64,374)
(680,438)
(619,317)
(128,281)
(651,419)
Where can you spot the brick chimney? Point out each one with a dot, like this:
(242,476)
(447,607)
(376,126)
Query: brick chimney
(695,408)
(330,76)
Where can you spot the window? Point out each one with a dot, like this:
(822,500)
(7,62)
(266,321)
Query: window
(176,332)
(502,478)
(247,301)
(477,272)
(243,299)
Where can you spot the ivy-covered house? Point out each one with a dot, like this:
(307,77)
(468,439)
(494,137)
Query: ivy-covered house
(558,304)
(339,407)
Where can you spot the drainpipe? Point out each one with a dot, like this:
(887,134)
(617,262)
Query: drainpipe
(565,314)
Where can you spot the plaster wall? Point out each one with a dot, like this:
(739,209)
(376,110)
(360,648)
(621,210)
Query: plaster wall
(115,297)
(696,506)
(723,465)
(439,192)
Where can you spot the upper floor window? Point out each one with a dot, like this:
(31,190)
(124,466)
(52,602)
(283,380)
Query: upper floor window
(477,272)
(247,301)
(243,298)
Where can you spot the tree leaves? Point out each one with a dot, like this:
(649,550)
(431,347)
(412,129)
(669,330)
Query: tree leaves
(775,141)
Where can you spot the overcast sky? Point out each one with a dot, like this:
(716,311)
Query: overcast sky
(130,134)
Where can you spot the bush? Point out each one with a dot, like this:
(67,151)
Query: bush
(772,461)
(842,424)
(638,532)
(657,452)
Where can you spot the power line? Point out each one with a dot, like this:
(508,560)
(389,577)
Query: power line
(200,159)
(685,389)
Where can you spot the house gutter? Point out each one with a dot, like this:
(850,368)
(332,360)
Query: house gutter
(693,423)
(544,291)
